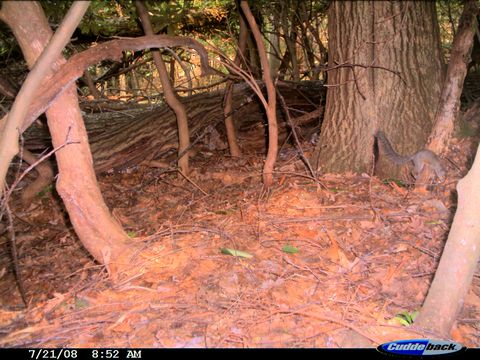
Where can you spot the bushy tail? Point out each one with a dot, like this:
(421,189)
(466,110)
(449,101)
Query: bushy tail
(388,149)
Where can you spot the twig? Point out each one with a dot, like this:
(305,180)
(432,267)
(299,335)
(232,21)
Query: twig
(294,132)
(193,183)
(13,251)
(397,73)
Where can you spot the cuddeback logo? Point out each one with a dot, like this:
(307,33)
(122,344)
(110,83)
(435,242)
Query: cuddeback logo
(420,347)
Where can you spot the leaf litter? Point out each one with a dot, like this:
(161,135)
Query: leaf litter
(333,263)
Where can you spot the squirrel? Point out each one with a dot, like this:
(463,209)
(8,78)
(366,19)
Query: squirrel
(419,159)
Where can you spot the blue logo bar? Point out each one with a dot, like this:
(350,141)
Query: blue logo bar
(420,347)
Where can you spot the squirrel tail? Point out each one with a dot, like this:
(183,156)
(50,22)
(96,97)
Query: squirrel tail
(388,149)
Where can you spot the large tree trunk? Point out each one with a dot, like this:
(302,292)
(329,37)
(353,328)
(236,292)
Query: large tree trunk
(103,237)
(399,98)
(118,141)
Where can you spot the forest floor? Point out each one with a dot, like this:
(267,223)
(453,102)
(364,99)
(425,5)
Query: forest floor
(323,260)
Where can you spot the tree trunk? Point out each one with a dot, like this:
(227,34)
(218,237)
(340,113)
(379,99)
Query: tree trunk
(457,70)
(291,36)
(228,101)
(118,142)
(103,237)
(170,96)
(304,24)
(91,86)
(459,259)
(270,104)
(386,68)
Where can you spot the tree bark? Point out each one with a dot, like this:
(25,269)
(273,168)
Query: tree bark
(101,235)
(459,259)
(385,73)
(170,96)
(118,142)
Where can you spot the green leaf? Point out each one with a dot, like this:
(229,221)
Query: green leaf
(234,252)
(290,249)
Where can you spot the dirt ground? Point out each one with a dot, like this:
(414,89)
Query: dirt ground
(327,263)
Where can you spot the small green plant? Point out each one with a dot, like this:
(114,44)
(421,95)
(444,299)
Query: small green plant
(406,318)
(131,233)
(290,249)
(398,182)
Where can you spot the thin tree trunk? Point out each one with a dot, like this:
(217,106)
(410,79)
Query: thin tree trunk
(122,87)
(270,107)
(459,259)
(290,41)
(170,96)
(91,86)
(457,70)
(462,250)
(307,46)
(228,101)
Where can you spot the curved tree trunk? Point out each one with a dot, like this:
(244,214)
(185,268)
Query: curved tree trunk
(386,73)
(270,105)
(170,96)
(103,237)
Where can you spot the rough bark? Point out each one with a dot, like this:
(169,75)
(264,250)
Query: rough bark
(118,142)
(101,235)
(386,68)
(170,96)
(459,259)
